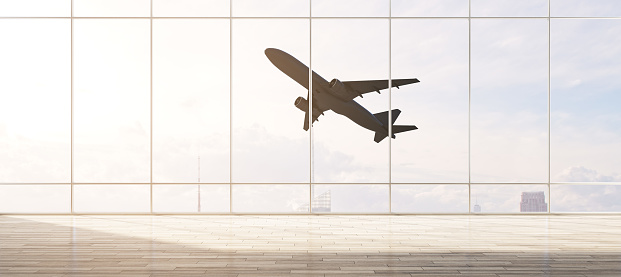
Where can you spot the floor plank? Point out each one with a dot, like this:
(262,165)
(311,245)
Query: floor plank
(456,245)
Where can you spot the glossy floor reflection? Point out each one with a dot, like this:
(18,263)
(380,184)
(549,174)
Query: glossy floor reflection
(561,245)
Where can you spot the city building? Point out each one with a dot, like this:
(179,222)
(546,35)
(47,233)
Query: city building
(321,203)
(477,208)
(533,202)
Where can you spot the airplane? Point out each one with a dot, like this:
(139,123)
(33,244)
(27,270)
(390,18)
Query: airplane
(339,96)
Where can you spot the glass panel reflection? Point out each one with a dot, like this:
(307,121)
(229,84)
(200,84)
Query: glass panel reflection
(509,100)
(350,8)
(35,100)
(215,199)
(270,198)
(111,100)
(586,198)
(586,119)
(350,198)
(35,199)
(112,8)
(585,8)
(185,198)
(429,198)
(31,8)
(191,101)
(269,144)
(270,8)
(426,8)
(111,198)
(349,50)
(191,8)
(509,198)
(508,8)
(196,103)
(438,105)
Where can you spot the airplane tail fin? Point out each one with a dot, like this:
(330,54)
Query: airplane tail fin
(383,118)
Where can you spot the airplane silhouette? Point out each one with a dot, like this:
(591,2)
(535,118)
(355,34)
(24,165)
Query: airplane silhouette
(339,96)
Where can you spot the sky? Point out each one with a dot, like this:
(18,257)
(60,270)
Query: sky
(216,96)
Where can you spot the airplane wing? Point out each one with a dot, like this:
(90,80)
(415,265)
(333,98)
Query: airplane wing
(361,87)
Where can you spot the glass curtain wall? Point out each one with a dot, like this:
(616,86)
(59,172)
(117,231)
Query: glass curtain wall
(165,107)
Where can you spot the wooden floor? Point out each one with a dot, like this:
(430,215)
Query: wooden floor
(566,245)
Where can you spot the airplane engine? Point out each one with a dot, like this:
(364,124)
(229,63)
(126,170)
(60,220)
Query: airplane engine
(337,87)
(301,104)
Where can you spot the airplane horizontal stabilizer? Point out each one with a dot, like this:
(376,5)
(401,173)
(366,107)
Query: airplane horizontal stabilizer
(402,128)
(395,130)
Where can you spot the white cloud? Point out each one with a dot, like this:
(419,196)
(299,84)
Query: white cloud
(430,198)
(334,8)
(586,198)
(583,174)
(34,160)
(269,198)
(424,8)
(270,8)
(262,156)
(585,8)
(593,57)
(509,7)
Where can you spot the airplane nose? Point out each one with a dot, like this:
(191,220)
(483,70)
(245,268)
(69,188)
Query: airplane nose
(270,51)
(279,58)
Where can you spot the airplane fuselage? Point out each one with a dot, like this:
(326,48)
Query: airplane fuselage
(350,109)
(323,98)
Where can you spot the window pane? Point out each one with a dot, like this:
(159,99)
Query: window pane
(31,8)
(509,100)
(586,8)
(586,119)
(429,198)
(350,198)
(426,8)
(35,198)
(529,8)
(269,144)
(509,198)
(35,100)
(111,100)
(345,152)
(191,8)
(191,100)
(215,198)
(586,198)
(175,198)
(346,8)
(111,198)
(438,105)
(184,198)
(270,198)
(271,8)
(112,8)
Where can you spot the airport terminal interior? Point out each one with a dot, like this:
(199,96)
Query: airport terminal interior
(310,137)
